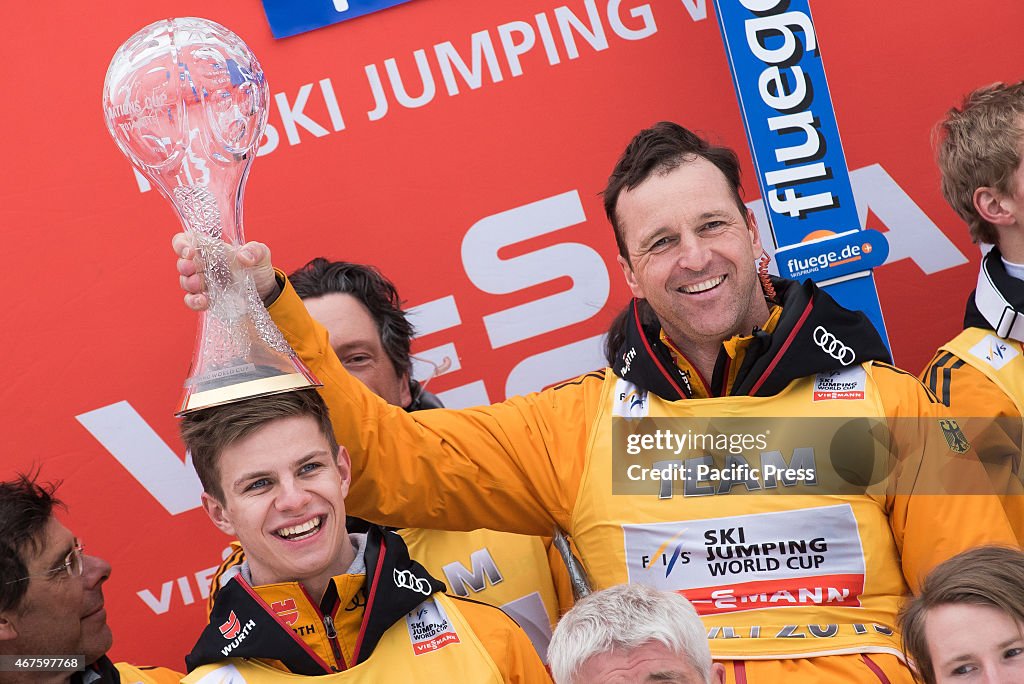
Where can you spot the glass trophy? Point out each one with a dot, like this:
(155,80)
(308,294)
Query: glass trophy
(186,101)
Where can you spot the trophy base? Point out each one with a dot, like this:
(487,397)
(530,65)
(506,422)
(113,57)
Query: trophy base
(194,401)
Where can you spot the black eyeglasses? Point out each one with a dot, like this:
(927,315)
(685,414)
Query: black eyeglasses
(73,565)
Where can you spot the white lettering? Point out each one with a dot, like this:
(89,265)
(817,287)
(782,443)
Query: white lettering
(581,263)
(129,439)
(482,49)
(292,116)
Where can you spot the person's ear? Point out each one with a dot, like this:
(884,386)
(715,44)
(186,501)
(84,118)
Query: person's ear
(993,206)
(7,629)
(404,395)
(631,281)
(218,514)
(755,233)
(345,468)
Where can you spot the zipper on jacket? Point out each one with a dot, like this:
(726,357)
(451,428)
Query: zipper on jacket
(329,631)
(332,637)
(329,624)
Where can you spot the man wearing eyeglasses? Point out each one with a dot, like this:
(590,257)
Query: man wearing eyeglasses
(51,596)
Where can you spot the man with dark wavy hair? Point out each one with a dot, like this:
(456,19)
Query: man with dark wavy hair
(51,595)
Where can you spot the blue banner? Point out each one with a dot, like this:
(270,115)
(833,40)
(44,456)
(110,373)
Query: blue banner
(798,156)
(290,17)
(829,259)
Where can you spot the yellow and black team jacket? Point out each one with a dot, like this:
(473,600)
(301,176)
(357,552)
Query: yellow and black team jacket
(103,671)
(521,574)
(391,623)
(778,566)
(980,377)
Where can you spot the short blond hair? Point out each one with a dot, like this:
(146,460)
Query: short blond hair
(979,146)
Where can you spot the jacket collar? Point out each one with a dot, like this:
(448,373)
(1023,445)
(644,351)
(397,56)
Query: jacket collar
(813,335)
(102,671)
(998,302)
(242,625)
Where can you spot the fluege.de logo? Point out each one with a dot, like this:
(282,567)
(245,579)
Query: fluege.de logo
(824,255)
(810,265)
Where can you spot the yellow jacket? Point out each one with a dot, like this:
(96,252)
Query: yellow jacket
(377,625)
(530,462)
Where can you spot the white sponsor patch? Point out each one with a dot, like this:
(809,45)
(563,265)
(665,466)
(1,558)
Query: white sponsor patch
(995,351)
(840,384)
(429,628)
(630,400)
(811,556)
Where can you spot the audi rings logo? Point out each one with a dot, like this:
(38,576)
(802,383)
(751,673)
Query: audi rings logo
(833,346)
(406,580)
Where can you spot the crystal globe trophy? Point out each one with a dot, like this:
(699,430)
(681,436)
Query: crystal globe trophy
(185,100)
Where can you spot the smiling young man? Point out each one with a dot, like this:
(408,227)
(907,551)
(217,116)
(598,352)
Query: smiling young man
(803,587)
(51,596)
(310,598)
(372,335)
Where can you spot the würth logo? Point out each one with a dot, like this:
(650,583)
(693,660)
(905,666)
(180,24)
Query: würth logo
(230,629)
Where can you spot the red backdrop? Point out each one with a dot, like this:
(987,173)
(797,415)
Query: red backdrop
(98,342)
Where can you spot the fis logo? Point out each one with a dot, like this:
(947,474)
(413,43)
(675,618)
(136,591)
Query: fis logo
(665,559)
(994,351)
(230,629)
(955,437)
(634,399)
(630,400)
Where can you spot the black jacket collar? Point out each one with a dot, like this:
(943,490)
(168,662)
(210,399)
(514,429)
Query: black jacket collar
(772,361)
(240,610)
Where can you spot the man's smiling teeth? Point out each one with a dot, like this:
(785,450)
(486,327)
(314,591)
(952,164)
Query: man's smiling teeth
(300,531)
(702,287)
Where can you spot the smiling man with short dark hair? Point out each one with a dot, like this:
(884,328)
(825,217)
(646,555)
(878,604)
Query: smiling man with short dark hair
(51,594)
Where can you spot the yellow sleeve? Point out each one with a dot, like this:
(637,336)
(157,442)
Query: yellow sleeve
(148,675)
(964,389)
(990,420)
(513,467)
(941,502)
(507,644)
